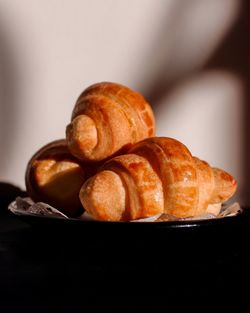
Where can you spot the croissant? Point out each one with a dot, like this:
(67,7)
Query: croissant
(107,119)
(158,175)
(54,176)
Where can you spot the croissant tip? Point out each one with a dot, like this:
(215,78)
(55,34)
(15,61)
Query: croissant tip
(103,196)
(81,136)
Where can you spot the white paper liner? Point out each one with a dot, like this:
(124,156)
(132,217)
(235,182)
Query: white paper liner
(26,206)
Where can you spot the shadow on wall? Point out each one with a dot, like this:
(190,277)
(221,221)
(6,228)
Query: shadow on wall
(209,37)
(8,99)
(233,56)
(188,36)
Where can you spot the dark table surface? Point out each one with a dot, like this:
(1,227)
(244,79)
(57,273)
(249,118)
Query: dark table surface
(52,267)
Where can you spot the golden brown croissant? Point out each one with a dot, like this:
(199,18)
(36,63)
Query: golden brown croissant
(158,175)
(54,176)
(108,118)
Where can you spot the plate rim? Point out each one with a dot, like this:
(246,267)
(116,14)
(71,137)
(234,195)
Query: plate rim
(30,218)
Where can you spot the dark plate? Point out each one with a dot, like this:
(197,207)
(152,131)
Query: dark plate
(176,247)
(147,240)
(57,222)
(137,234)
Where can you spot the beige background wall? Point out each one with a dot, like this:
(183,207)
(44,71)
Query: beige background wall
(51,50)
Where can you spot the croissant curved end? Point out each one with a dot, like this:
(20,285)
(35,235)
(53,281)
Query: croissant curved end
(82,137)
(56,182)
(104,196)
(225,186)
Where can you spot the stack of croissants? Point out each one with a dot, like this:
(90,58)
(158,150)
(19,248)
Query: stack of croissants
(113,166)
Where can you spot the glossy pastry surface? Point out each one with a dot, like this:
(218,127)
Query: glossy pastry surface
(107,119)
(126,189)
(158,175)
(54,176)
(189,184)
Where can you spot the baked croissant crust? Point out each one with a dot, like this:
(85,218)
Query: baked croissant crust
(54,176)
(106,120)
(158,175)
